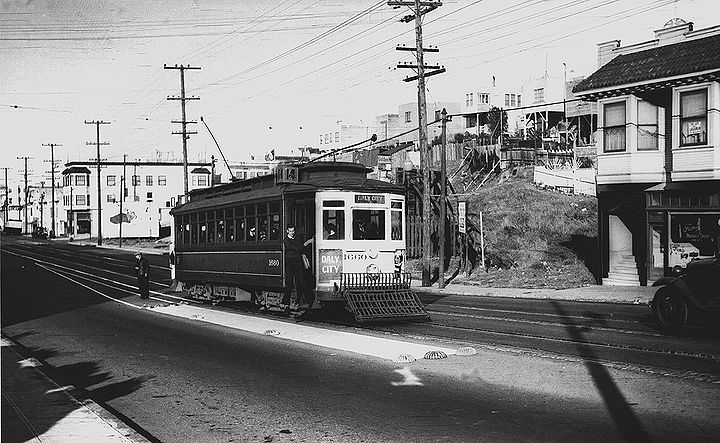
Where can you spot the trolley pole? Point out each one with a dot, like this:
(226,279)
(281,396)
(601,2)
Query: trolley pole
(420,8)
(51,234)
(443,197)
(97,143)
(185,133)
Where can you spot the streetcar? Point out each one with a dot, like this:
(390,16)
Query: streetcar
(228,240)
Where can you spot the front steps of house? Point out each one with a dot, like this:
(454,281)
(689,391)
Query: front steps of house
(623,273)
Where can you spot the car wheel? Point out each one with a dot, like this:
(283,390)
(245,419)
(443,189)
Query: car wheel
(670,309)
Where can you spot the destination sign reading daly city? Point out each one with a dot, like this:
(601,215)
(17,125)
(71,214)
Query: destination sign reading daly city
(370,198)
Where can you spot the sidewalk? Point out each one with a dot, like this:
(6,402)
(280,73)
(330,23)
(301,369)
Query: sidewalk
(594,293)
(34,408)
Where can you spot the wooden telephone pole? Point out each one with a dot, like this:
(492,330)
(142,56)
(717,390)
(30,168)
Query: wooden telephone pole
(185,133)
(97,143)
(51,234)
(25,195)
(420,8)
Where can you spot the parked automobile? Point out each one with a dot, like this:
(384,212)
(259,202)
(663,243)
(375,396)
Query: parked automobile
(12,227)
(39,232)
(689,292)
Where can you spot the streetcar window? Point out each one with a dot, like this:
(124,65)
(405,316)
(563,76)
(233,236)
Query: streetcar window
(193,229)
(229,226)
(211,227)
(262,222)
(333,203)
(250,229)
(262,208)
(240,229)
(220,231)
(186,234)
(203,232)
(396,225)
(333,224)
(178,230)
(368,224)
(240,224)
(274,226)
(396,204)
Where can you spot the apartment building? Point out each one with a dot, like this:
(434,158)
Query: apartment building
(147,189)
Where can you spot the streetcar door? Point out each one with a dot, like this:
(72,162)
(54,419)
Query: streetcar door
(300,210)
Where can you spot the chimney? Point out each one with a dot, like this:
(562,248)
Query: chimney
(673,31)
(605,52)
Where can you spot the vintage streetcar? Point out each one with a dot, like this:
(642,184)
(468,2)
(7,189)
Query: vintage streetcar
(228,240)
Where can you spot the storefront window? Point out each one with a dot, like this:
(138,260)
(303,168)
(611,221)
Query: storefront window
(693,236)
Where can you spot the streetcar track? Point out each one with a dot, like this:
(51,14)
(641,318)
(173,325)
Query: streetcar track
(87,266)
(544,323)
(711,357)
(544,314)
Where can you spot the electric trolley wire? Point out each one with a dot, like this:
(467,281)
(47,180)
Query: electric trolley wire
(304,44)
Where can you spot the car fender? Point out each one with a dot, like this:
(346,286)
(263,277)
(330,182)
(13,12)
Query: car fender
(680,286)
(664,281)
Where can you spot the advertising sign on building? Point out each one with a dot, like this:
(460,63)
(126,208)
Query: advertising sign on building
(462,207)
(139,219)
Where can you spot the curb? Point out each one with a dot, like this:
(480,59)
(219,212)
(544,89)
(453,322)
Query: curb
(73,392)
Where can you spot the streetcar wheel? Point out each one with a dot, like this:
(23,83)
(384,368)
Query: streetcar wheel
(670,309)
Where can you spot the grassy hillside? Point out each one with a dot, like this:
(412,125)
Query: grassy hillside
(534,238)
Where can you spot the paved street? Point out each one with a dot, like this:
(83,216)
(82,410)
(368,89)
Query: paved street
(175,378)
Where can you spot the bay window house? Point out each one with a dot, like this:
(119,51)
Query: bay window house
(658,152)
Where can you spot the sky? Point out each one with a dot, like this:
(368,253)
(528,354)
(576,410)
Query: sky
(274,74)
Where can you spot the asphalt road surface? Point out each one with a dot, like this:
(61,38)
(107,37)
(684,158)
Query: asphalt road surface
(546,371)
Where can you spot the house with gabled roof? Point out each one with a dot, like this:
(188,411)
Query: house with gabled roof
(658,152)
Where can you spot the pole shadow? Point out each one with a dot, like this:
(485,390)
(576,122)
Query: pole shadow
(630,427)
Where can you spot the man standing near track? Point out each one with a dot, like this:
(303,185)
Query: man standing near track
(142,270)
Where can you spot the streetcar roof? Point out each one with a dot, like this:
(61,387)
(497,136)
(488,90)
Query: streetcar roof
(276,192)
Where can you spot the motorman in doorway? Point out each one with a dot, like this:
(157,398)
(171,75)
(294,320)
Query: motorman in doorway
(295,265)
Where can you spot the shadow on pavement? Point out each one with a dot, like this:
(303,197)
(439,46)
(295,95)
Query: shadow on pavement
(29,406)
(620,411)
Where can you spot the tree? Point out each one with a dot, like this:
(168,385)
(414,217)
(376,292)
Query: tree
(493,118)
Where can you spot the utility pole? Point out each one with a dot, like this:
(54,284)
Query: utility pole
(7,196)
(51,234)
(26,194)
(122,195)
(185,133)
(420,8)
(97,143)
(443,197)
